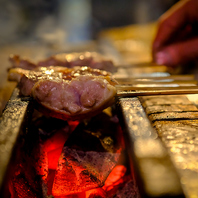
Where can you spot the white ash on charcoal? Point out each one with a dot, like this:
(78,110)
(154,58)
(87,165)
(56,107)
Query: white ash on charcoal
(89,155)
(80,171)
(129,190)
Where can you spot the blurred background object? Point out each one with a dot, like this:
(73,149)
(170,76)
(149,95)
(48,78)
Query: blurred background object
(72,20)
(115,13)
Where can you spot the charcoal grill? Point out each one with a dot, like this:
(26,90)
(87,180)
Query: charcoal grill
(158,160)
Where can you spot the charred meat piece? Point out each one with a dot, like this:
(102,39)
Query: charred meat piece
(40,73)
(84,96)
(90,59)
(23,63)
(67,93)
(27,78)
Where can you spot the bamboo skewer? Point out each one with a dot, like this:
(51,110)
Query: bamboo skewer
(143,64)
(166,85)
(150,83)
(156,85)
(148,91)
(160,78)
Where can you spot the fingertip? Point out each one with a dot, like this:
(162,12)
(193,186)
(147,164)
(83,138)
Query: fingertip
(162,58)
(156,45)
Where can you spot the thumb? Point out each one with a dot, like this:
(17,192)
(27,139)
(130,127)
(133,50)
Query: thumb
(177,53)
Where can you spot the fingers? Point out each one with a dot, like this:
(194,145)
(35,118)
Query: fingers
(178,53)
(174,21)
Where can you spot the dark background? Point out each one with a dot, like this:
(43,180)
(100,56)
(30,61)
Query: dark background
(72,20)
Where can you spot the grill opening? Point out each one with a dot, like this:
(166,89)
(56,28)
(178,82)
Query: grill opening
(83,159)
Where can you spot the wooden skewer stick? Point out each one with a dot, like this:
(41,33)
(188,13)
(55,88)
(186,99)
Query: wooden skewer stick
(145,83)
(148,91)
(143,64)
(150,78)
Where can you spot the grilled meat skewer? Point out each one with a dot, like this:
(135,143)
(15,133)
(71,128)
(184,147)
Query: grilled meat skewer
(67,93)
(69,60)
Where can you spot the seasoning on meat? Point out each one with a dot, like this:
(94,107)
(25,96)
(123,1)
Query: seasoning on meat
(67,93)
(27,78)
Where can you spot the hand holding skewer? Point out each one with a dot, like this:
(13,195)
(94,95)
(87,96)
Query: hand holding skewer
(176,41)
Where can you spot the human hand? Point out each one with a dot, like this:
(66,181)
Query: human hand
(176,41)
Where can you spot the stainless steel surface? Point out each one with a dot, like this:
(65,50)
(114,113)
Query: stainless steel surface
(11,124)
(180,137)
(154,170)
(175,120)
(173,132)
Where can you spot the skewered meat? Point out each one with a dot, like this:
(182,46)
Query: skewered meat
(23,63)
(84,96)
(27,78)
(90,59)
(67,93)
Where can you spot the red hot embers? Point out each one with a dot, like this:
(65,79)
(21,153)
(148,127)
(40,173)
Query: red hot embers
(73,160)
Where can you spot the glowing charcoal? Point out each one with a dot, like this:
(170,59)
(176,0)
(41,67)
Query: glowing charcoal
(88,158)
